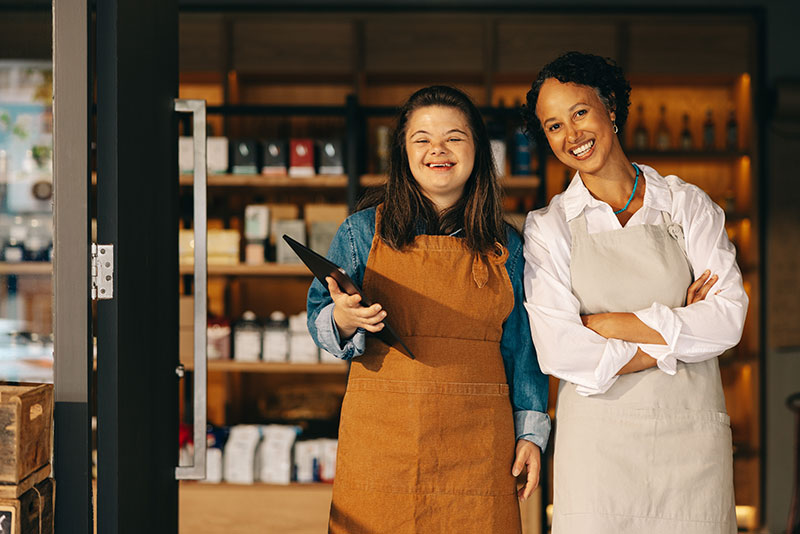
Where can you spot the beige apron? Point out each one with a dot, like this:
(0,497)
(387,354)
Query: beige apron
(426,446)
(653,454)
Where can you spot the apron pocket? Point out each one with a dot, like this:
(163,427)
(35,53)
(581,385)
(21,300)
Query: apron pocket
(426,437)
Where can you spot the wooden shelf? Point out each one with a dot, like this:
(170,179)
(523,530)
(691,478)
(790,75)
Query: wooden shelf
(507,182)
(241,269)
(259,180)
(230,366)
(695,155)
(39,268)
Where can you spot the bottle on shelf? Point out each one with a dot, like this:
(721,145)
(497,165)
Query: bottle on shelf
(276,338)
(247,338)
(732,132)
(662,132)
(521,148)
(709,132)
(382,149)
(497,140)
(641,139)
(686,142)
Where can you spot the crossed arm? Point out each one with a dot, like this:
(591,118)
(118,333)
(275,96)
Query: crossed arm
(628,327)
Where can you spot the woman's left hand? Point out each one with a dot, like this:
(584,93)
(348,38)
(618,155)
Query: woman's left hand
(528,455)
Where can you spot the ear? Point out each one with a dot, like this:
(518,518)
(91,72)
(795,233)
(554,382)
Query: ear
(613,116)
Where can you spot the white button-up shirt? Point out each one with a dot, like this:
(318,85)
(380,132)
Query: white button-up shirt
(568,350)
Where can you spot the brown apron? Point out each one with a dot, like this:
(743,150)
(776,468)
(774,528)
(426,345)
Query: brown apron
(427,445)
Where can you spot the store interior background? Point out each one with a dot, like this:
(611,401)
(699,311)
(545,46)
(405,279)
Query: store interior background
(773,68)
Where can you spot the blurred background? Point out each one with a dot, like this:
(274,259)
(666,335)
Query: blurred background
(301,96)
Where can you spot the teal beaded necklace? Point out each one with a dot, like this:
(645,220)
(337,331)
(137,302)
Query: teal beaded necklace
(633,193)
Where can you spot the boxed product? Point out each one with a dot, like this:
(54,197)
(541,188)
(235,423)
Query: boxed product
(301,158)
(296,229)
(302,348)
(276,338)
(306,459)
(223,246)
(331,156)
(217,155)
(274,455)
(239,456)
(26,412)
(327,460)
(322,222)
(244,157)
(274,157)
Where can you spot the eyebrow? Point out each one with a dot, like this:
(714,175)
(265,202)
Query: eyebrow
(446,133)
(570,109)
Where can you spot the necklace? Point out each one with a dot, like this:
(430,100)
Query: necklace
(635,183)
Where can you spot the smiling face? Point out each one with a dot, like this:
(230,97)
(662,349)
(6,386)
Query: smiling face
(577,124)
(441,153)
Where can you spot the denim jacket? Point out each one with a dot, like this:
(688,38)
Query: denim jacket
(528,385)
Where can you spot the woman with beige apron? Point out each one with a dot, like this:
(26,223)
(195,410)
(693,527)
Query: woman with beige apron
(643,441)
(433,444)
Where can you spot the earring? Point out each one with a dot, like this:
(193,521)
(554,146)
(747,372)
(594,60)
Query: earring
(614,124)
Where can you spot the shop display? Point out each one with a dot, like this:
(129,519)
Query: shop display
(641,139)
(276,338)
(239,456)
(686,142)
(732,132)
(330,156)
(275,453)
(247,338)
(663,141)
(301,158)
(709,132)
(274,160)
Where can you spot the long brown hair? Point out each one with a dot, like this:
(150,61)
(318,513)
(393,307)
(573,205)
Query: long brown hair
(479,210)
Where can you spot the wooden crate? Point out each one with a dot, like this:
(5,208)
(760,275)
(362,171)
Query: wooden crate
(32,513)
(26,424)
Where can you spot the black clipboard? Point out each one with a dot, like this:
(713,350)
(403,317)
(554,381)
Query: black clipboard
(322,267)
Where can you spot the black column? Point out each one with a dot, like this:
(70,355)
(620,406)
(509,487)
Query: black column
(137,396)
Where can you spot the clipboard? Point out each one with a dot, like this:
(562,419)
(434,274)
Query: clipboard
(322,267)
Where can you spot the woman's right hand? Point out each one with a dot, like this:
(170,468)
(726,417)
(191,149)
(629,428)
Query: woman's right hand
(700,287)
(349,315)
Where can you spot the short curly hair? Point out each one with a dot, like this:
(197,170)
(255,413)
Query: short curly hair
(601,74)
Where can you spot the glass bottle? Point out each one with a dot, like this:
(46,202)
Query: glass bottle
(732,132)
(641,138)
(662,132)
(686,134)
(709,131)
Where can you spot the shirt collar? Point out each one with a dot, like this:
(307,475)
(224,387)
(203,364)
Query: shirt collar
(656,195)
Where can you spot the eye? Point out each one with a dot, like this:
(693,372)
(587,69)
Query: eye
(420,141)
(553,127)
(581,112)
(455,139)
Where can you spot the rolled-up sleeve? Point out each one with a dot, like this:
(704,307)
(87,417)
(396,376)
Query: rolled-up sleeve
(320,305)
(707,328)
(528,385)
(565,348)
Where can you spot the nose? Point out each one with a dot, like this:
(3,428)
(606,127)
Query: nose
(437,147)
(573,134)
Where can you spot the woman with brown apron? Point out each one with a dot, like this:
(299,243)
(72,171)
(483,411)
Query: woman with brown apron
(643,441)
(433,444)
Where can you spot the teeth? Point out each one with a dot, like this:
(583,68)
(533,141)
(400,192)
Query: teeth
(583,149)
(440,164)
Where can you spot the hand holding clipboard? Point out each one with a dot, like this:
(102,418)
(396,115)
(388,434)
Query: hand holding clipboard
(321,267)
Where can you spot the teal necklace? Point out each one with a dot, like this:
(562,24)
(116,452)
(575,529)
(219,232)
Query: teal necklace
(633,193)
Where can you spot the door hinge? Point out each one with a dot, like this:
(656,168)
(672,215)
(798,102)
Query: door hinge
(102,272)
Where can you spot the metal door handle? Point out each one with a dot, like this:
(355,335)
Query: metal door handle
(197,471)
